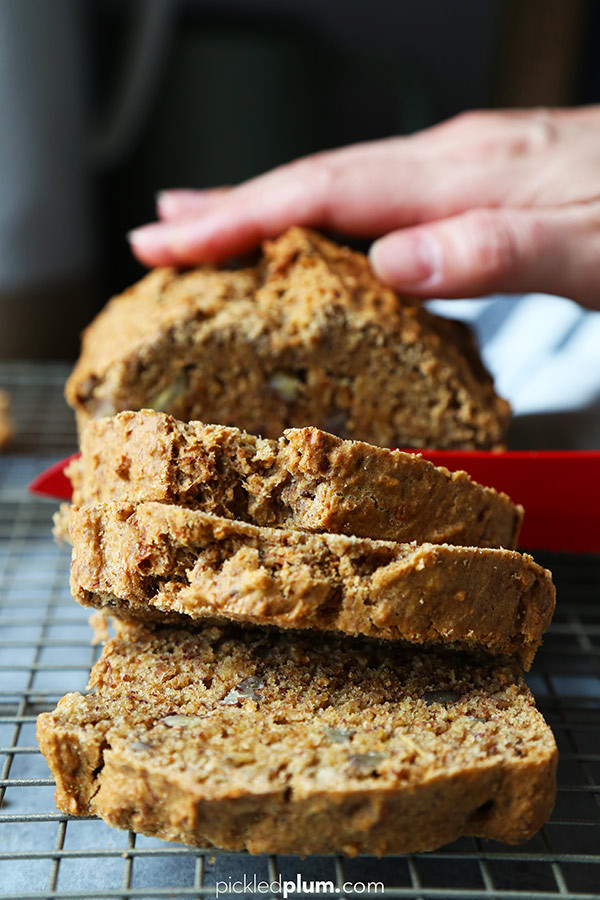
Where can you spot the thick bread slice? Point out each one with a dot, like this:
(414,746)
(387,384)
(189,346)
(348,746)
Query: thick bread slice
(308,337)
(280,743)
(154,561)
(307,479)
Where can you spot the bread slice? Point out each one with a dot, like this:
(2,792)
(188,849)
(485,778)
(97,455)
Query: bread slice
(307,337)
(280,743)
(308,479)
(159,562)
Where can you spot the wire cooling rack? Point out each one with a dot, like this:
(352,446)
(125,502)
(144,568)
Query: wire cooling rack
(45,651)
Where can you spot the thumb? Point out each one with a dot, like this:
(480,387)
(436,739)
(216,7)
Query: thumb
(483,251)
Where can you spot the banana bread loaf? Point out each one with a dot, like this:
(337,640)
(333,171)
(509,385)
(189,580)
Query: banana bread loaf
(300,744)
(307,479)
(160,562)
(307,337)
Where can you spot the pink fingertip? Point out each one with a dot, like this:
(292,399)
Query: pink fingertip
(180,203)
(150,244)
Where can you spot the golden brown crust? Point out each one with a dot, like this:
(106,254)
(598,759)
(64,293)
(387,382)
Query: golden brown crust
(309,337)
(158,562)
(7,428)
(300,744)
(307,479)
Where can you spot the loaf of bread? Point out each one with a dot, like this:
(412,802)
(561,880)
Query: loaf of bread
(281,743)
(155,561)
(308,479)
(289,673)
(307,337)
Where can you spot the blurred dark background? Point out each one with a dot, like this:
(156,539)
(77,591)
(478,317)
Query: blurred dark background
(104,103)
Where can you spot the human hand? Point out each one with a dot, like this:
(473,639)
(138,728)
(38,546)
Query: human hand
(488,201)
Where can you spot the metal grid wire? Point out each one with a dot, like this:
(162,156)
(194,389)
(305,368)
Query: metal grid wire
(45,651)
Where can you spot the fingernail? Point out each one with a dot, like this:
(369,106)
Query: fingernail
(144,236)
(181,204)
(176,203)
(164,203)
(407,259)
(152,241)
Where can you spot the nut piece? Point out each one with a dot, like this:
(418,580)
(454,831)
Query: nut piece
(165,398)
(102,406)
(181,721)
(339,735)
(248,689)
(365,763)
(431,697)
(285,384)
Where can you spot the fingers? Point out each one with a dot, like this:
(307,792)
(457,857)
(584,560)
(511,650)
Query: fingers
(364,190)
(301,193)
(500,250)
(175,205)
(475,161)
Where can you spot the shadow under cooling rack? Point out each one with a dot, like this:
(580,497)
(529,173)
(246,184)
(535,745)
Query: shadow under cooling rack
(45,651)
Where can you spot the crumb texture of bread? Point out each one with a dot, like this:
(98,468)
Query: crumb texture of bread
(307,337)
(307,479)
(156,561)
(300,744)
